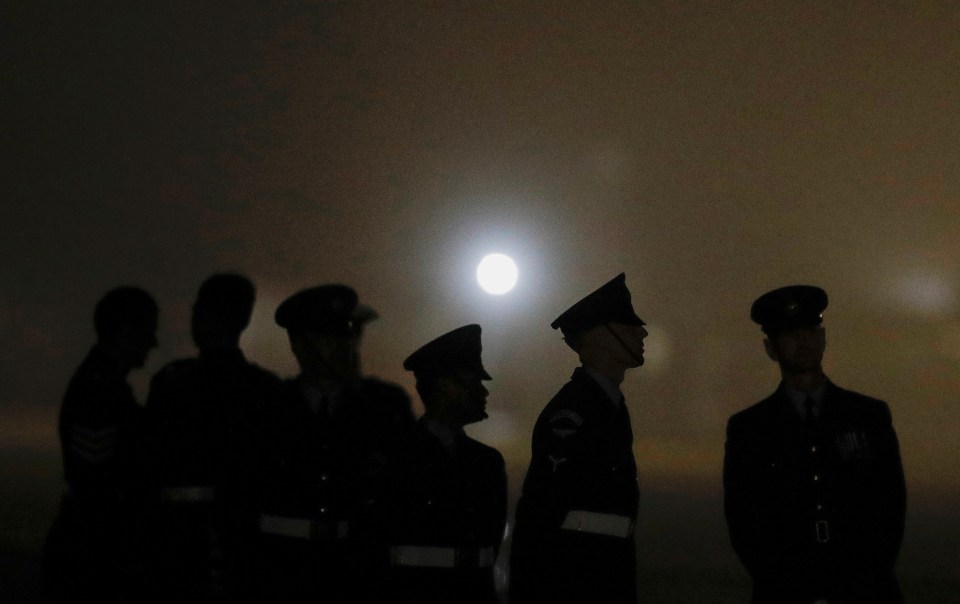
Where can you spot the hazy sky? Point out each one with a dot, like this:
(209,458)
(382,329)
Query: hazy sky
(710,150)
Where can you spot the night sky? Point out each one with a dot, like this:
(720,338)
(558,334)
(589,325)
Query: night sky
(712,151)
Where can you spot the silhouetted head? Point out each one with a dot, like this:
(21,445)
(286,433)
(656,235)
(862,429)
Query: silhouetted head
(792,317)
(320,325)
(222,310)
(604,330)
(125,320)
(790,307)
(450,374)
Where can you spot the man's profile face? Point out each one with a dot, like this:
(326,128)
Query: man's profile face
(632,337)
(464,397)
(798,350)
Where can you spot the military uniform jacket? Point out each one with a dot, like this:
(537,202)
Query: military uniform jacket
(442,519)
(196,454)
(816,510)
(573,540)
(317,476)
(197,415)
(98,427)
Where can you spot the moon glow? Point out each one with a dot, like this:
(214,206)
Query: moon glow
(497,274)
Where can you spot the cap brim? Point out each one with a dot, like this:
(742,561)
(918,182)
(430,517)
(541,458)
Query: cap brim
(627,319)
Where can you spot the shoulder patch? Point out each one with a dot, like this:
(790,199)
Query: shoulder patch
(566,414)
(93,445)
(565,423)
(556,461)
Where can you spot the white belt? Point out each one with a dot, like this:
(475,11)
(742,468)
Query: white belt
(611,525)
(303,528)
(187,494)
(441,557)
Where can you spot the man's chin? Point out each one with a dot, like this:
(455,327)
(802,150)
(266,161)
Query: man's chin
(800,368)
(477,418)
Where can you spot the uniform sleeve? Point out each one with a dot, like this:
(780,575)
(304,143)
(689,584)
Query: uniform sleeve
(500,503)
(561,467)
(155,430)
(99,424)
(895,507)
(886,506)
(556,444)
(740,499)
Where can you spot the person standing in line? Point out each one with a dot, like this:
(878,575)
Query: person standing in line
(443,513)
(573,539)
(322,453)
(814,489)
(85,557)
(197,426)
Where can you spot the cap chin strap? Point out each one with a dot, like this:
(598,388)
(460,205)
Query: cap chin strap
(622,343)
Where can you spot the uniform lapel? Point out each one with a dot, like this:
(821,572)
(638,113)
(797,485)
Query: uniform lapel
(625,421)
(830,410)
(607,411)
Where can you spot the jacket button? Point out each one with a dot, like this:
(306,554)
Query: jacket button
(816,477)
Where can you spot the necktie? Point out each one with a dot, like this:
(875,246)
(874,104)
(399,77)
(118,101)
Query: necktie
(809,404)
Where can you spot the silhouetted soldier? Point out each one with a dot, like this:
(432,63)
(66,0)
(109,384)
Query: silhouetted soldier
(573,540)
(198,437)
(324,449)
(444,514)
(85,554)
(814,487)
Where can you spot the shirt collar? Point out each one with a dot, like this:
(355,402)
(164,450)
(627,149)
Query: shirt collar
(611,389)
(442,432)
(798,398)
(318,399)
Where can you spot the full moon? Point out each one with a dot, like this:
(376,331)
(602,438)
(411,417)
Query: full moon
(497,274)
